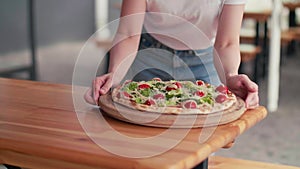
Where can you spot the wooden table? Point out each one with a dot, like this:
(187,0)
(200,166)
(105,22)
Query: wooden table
(39,128)
(292,6)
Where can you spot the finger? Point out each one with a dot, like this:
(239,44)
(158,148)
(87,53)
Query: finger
(252,100)
(95,90)
(106,86)
(250,85)
(98,82)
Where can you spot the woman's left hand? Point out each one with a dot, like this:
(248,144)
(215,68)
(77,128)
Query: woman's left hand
(243,87)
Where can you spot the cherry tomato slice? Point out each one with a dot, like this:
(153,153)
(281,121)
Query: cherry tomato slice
(124,95)
(174,86)
(199,82)
(149,102)
(199,93)
(143,86)
(222,89)
(178,84)
(190,104)
(221,98)
(170,88)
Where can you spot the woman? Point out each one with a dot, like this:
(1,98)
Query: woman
(173,25)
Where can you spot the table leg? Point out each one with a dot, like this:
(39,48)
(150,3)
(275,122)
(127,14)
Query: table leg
(292,18)
(202,165)
(32,42)
(292,23)
(265,49)
(257,58)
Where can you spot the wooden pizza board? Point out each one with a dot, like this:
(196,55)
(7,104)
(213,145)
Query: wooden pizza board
(165,120)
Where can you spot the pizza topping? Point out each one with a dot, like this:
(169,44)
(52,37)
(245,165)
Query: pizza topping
(178,84)
(173,93)
(171,102)
(221,98)
(207,85)
(207,99)
(143,86)
(159,85)
(146,92)
(199,93)
(137,100)
(190,104)
(176,94)
(132,85)
(222,89)
(199,82)
(124,95)
(171,87)
(159,96)
(149,102)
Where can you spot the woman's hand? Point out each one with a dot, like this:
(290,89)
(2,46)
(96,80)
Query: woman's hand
(243,87)
(101,85)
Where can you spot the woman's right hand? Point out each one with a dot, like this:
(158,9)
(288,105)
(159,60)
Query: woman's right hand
(101,85)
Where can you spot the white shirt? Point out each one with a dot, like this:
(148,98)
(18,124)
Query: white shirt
(185,24)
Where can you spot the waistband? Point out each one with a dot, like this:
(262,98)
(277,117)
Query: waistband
(150,41)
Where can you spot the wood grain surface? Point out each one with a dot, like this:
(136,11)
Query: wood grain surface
(40,127)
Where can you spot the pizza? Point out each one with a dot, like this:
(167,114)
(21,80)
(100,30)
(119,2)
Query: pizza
(175,97)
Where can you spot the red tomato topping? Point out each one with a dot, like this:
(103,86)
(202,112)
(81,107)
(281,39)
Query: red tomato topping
(158,96)
(178,84)
(149,102)
(174,86)
(170,88)
(222,89)
(144,86)
(221,98)
(126,95)
(199,82)
(199,93)
(190,104)
(156,79)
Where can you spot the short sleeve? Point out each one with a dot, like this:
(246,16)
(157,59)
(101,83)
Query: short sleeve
(235,1)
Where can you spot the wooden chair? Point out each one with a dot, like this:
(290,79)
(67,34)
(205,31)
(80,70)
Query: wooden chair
(250,52)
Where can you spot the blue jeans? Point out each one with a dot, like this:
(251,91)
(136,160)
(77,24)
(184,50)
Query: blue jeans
(157,60)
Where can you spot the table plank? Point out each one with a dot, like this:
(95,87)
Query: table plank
(260,16)
(291,5)
(38,121)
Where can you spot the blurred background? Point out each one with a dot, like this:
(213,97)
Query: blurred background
(41,40)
